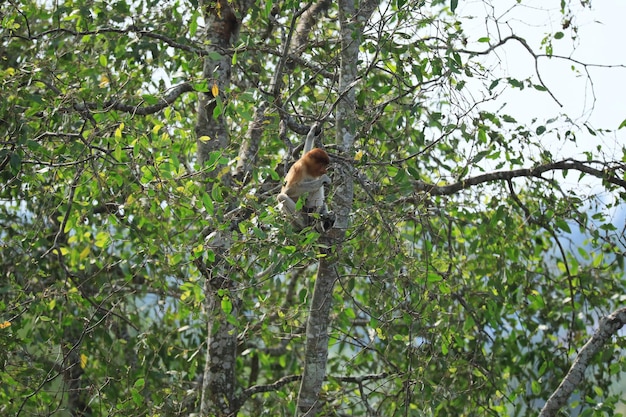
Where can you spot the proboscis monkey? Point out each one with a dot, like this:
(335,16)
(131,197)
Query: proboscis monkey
(307,176)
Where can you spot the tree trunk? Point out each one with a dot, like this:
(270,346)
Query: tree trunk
(219,379)
(319,314)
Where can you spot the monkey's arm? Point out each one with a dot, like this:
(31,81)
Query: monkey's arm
(310,137)
(288,207)
(302,219)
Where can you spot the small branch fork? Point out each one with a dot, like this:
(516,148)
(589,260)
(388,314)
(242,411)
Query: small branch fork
(536,57)
(276,385)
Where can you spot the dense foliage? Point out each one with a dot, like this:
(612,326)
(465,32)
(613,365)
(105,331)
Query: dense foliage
(475,263)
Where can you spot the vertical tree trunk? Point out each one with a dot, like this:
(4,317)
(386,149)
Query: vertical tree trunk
(222,28)
(316,354)
(219,381)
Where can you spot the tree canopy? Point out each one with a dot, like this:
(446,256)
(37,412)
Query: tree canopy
(475,266)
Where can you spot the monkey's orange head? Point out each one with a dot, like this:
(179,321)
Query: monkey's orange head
(317,160)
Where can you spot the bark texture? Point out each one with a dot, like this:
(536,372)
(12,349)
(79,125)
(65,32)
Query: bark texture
(352,21)
(222,29)
(609,326)
(219,379)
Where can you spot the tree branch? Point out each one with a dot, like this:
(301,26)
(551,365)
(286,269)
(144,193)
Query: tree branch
(249,392)
(360,379)
(606,174)
(114,104)
(122,31)
(609,325)
(536,57)
(256,389)
(299,40)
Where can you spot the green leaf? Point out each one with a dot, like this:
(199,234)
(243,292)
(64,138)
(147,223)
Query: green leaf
(535,387)
(139,383)
(227,305)
(562,225)
(193,24)
(15,162)
(137,397)
(219,108)
(150,99)
(118,153)
(207,203)
(453,5)
(201,86)
(216,193)
(434,277)
(479,156)
(482,136)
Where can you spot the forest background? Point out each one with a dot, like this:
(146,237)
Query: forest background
(476,265)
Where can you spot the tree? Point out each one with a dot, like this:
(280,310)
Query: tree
(146,266)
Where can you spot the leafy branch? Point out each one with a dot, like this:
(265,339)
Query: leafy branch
(123,31)
(114,104)
(606,174)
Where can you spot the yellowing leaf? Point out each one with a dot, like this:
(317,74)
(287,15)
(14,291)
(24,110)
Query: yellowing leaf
(204,138)
(358,156)
(85,252)
(5,324)
(218,9)
(102,239)
(118,131)
(380,334)
(104,81)
(83,360)
(223,172)
(215,90)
